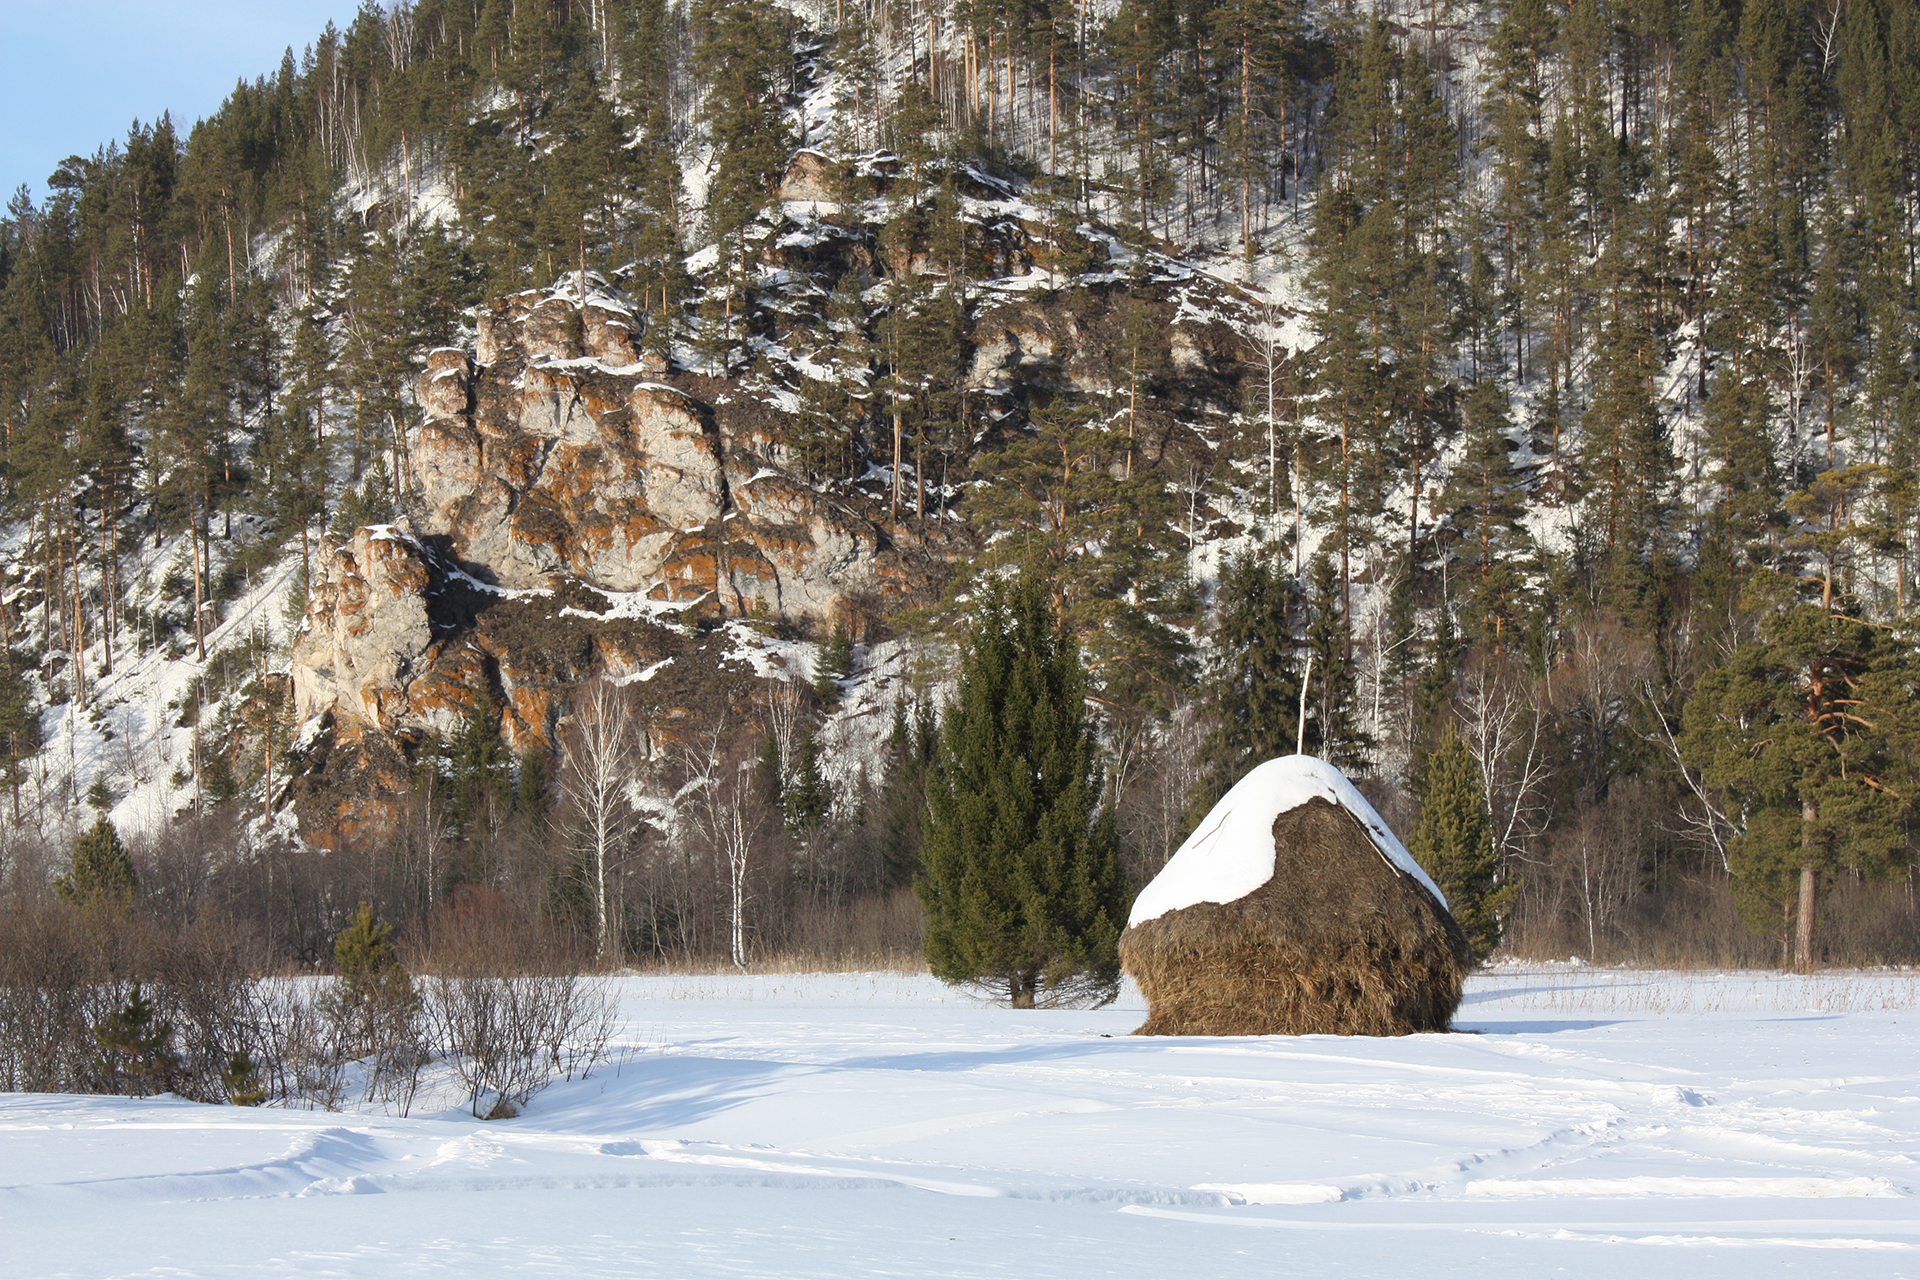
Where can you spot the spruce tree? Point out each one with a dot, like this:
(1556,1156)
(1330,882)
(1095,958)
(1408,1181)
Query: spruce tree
(912,747)
(1453,841)
(102,873)
(137,1047)
(834,664)
(806,797)
(481,763)
(1252,689)
(1022,887)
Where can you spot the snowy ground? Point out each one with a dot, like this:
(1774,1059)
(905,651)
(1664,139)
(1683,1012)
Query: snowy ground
(1594,1123)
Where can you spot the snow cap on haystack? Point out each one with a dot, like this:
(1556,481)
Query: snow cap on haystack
(1291,910)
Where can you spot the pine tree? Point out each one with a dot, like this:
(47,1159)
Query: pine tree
(1381,278)
(1333,729)
(742,48)
(1800,729)
(806,798)
(1252,689)
(102,873)
(1486,500)
(1453,841)
(375,1001)
(1516,136)
(1626,462)
(834,664)
(240,1080)
(1103,539)
(1022,882)
(19,730)
(363,951)
(137,1045)
(1252,37)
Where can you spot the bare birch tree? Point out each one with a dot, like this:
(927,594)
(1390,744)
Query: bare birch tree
(719,799)
(1268,326)
(1501,723)
(601,760)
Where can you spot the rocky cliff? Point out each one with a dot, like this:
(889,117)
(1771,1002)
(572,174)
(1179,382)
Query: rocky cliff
(579,510)
(579,506)
(556,450)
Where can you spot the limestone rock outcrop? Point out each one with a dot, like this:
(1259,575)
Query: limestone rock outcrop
(578,505)
(560,452)
(365,631)
(577,509)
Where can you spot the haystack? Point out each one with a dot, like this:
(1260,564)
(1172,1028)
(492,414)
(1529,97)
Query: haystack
(1293,910)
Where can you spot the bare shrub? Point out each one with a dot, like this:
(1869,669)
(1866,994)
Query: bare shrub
(507,1038)
(54,989)
(506,1006)
(64,972)
(201,979)
(477,932)
(302,1055)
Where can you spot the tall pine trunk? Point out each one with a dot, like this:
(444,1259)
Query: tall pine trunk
(1809,884)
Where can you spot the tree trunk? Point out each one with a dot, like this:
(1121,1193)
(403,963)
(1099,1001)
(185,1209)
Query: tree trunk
(199,625)
(1809,883)
(1020,989)
(893,506)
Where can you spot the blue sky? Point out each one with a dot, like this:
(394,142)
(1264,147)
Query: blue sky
(75,73)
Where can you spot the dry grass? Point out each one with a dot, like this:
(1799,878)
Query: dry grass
(880,933)
(1337,942)
(786,963)
(1563,989)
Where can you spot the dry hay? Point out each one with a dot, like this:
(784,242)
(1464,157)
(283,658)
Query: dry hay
(1338,942)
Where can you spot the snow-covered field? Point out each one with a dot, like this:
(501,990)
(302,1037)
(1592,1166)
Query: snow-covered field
(1591,1123)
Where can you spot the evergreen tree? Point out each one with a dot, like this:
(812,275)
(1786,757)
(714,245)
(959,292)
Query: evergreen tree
(19,730)
(1453,841)
(1800,729)
(240,1080)
(481,763)
(364,951)
(531,798)
(806,798)
(1625,457)
(1516,84)
(1022,881)
(834,664)
(1486,499)
(1102,538)
(912,748)
(742,49)
(1252,689)
(375,1001)
(1333,730)
(102,874)
(137,1047)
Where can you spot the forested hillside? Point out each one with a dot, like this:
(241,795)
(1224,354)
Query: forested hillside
(1534,383)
